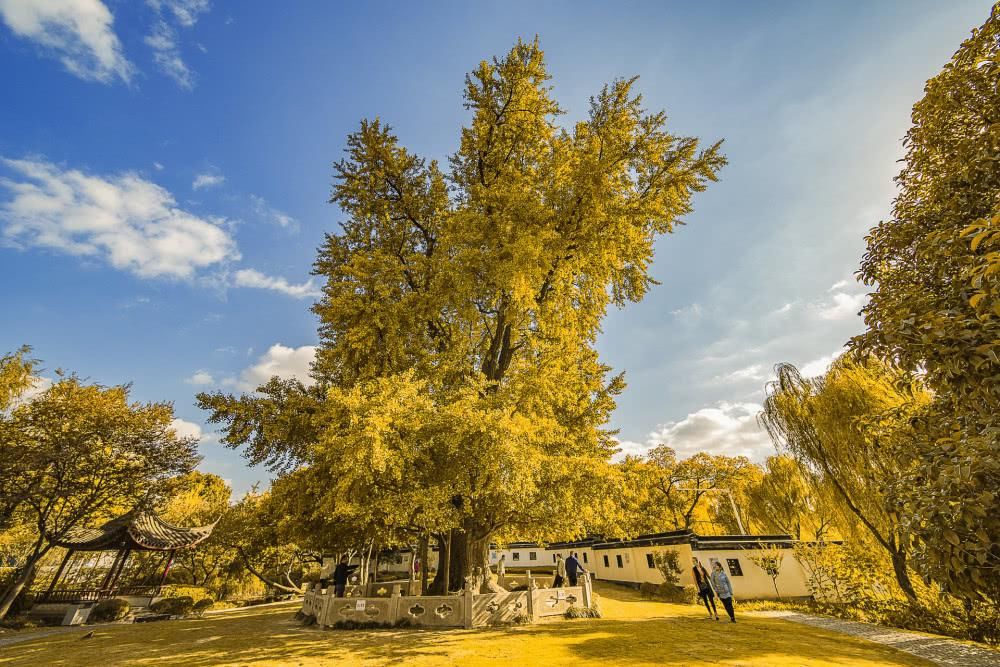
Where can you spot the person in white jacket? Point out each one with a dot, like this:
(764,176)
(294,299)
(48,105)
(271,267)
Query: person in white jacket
(560,577)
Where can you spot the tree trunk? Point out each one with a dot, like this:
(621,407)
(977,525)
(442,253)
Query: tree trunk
(424,550)
(444,558)
(457,566)
(23,579)
(437,586)
(902,576)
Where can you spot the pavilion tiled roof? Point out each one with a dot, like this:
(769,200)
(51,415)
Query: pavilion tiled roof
(137,530)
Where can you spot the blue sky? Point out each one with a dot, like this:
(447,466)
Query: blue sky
(165,167)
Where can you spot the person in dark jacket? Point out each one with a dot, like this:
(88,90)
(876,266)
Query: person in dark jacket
(573,569)
(340,576)
(701,580)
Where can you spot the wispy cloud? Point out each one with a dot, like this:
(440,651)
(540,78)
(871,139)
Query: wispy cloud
(164,41)
(207,180)
(167,55)
(77,32)
(122,219)
(256,279)
(185,12)
(271,214)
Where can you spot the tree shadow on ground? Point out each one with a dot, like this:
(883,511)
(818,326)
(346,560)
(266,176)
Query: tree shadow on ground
(273,637)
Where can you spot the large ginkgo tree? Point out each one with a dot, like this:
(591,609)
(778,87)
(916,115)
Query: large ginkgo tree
(458,388)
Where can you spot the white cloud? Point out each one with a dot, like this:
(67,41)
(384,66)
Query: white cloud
(124,220)
(271,214)
(691,312)
(784,309)
(158,166)
(840,284)
(844,306)
(186,429)
(254,278)
(200,378)
(167,55)
(281,361)
(78,32)
(208,180)
(752,372)
(728,428)
(820,365)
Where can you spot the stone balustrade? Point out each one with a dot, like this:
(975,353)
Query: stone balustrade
(387,603)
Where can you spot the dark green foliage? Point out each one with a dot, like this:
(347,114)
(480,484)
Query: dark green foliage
(583,612)
(114,609)
(669,593)
(201,606)
(179,606)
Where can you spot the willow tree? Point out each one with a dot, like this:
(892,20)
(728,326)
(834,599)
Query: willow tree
(848,429)
(461,307)
(935,266)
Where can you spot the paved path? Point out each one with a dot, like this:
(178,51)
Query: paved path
(939,650)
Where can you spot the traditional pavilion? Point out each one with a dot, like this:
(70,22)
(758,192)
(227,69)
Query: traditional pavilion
(129,556)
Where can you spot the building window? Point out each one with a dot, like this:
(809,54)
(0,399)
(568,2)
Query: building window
(649,561)
(532,555)
(584,556)
(618,558)
(606,562)
(517,555)
(553,558)
(734,567)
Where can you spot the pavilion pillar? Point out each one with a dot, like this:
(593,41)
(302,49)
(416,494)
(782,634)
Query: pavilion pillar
(111,570)
(166,570)
(112,579)
(62,566)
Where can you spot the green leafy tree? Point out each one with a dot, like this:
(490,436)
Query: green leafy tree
(934,266)
(76,452)
(460,309)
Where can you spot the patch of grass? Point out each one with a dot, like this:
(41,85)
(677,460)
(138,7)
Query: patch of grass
(641,633)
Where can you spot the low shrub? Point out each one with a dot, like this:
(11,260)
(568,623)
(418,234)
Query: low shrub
(20,623)
(201,606)
(113,609)
(179,606)
(669,593)
(583,612)
(194,592)
(520,618)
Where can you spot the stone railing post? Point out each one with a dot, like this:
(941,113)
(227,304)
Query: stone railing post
(531,596)
(468,597)
(588,591)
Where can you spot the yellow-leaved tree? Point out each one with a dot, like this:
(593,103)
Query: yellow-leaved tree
(460,390)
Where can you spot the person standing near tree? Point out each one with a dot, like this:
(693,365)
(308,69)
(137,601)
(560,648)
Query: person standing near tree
(340,576)
(573,569)
(502,569)
(560,577)
(724,589)
(701,580)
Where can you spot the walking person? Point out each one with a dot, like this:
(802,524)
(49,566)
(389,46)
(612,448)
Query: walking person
(724,589)
(340,576)
(560,577)
(573,569)
(701,580)
(502,571)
